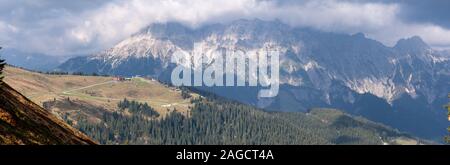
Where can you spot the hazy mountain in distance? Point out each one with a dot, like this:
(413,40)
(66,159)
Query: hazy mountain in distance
(33,61)
(398,86)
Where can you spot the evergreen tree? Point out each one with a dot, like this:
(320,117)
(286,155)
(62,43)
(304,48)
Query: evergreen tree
(447,138)
(2,65)
(185,94)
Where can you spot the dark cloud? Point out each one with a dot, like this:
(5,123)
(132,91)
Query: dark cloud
(419,11)
(427,11)
(28,12)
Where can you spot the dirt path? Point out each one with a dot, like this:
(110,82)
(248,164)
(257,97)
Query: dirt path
(90,86)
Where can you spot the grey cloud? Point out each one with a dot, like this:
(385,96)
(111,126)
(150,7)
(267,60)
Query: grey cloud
(79,27)
(40,25)
(433,11)
(420,11)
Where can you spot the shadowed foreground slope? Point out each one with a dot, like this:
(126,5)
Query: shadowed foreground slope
(24,122)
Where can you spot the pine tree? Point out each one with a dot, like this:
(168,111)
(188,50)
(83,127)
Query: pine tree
(447,138)
(2,65)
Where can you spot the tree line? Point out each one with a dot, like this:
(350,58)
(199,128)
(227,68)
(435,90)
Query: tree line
(137,108)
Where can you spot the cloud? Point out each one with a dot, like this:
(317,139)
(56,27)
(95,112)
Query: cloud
(419,11)
(116,21)
(40,25)
(7,28)
(129,16)
(82,27)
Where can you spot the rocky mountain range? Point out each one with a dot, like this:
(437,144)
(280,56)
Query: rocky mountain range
(403,86)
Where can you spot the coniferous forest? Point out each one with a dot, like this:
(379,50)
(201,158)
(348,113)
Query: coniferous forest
(225,122)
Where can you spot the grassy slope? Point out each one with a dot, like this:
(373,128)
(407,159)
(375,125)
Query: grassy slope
(93,91)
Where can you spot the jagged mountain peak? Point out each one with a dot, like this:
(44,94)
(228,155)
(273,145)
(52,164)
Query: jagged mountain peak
(162,30)
(414,43)
(158,39)
(359,35)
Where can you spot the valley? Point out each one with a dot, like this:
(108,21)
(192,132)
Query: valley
(142,111)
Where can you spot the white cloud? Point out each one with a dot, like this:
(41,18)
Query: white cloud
(6,28)
(116,21)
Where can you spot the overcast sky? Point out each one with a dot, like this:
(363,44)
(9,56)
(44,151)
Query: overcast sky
(61,27)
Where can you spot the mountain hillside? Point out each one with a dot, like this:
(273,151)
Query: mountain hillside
(24,122)
(141,111)
(66,95)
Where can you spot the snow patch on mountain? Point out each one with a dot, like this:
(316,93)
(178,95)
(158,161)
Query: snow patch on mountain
(137,46)
(312,65)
